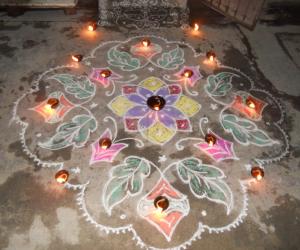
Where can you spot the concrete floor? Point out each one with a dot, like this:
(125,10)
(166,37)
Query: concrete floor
(32,217)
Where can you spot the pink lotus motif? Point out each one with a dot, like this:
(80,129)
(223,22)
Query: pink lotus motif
(220,151)
(105,81)
(54,115)
(164,221)
(196,75)
(107,155)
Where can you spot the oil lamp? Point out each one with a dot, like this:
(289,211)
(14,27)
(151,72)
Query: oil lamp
(105,143)
(156,102)
(146,42)
(196,27)
(53,103)
(105,73)
(250,103)
(62,176)
(187,73)
(257,173)
(210,139)
(77,58)
(161,202)
(211,55)
(92,26)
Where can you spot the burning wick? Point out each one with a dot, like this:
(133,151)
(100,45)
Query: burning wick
(146,42)
(210,139)
(211,56)
(161,203)
(52,103)
(105,73)
(105,143)
(196,27)
(156,102)
(62,176)
(250,103)
(188,73)
(257,173)
(92,26)
(77,58)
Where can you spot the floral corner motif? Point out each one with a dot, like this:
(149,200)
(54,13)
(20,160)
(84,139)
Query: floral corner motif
(220,151)
(195,75)
(164,221)
(105,154)
(54,115)
(96,76)
(240,104)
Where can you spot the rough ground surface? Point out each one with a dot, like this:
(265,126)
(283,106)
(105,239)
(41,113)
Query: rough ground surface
(36,215)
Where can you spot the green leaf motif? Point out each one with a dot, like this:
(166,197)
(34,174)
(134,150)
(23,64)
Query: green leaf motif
(219,84)
(205,181)
(171,59)
(75,133)
(123,60)
(80,87)
(125,180)
(245,132)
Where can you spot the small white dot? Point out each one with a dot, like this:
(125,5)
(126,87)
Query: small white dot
(123,217)
(38,135)
(204,213)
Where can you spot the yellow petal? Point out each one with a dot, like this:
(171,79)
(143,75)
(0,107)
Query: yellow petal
(120,105)
(188,106)
(152,83)
(158,133)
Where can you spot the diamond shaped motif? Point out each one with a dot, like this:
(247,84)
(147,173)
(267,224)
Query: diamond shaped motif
(165,222)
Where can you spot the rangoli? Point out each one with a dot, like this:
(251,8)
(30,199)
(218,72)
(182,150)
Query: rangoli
(129,123)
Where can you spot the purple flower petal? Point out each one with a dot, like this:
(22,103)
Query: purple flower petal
(167,120)
(145,92)
(173,112)
(163,92)
(147,120)
(137,111)
(171,99)
(137,99)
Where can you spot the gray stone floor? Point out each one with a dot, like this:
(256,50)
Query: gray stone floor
(31,217)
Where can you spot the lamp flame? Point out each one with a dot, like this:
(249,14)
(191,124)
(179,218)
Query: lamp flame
(196,27)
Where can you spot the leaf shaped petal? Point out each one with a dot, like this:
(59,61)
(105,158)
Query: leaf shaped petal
(220,84)
(245,132)
(171,59)
(74,133)
(205,181)
(125,180)
(123,60)
(80,87)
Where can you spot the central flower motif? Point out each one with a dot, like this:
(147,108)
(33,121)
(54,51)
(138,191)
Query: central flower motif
(155,109)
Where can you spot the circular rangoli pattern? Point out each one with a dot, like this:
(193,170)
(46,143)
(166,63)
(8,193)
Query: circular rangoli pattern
(146,170)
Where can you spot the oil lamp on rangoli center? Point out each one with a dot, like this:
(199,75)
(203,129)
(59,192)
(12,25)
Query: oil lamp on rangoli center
(156,102)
